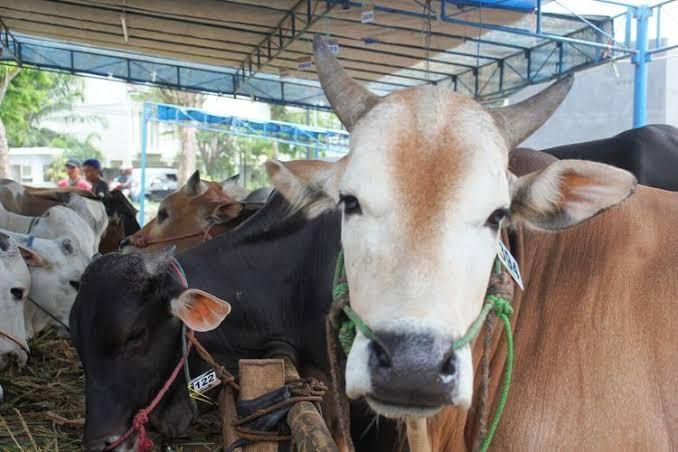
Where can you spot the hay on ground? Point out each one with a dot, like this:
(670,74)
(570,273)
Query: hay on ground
(44,404)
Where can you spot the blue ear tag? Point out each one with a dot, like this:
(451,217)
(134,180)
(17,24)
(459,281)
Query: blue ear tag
(510,263)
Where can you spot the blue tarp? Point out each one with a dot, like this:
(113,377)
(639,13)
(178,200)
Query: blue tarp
(278,129)
(517,5)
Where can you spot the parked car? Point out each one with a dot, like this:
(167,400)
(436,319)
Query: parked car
(162,186)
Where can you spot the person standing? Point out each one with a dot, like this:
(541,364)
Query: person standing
(92,169)
(74,179)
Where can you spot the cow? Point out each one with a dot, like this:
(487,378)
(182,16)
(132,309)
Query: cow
(55,266)
(56,222)
(14,286)
(35,201)
(418,211)
(649,152)
(198,211)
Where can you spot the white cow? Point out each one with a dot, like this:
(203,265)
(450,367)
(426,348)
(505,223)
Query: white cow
(55,266)
(14,285)
(58,221)
(92,211)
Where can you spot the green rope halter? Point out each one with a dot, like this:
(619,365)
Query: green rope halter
(500,305)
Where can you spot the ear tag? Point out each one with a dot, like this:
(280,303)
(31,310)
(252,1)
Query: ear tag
(203,383)
(510,264)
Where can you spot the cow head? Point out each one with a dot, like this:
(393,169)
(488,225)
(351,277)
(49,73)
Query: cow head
(192,210)
(59,221)
(14,286)
(55,266)
(92,211)
(424,192)
(129,345)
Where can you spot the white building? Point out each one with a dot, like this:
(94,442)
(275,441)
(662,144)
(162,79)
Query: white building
(28,165)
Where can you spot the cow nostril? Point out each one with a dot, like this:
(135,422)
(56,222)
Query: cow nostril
(449,366)
(380,354)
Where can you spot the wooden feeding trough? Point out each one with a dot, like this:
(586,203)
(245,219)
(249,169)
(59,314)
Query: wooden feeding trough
(259,377)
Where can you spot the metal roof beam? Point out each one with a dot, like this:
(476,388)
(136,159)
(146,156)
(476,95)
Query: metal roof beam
(523,32)
(296,22)
(433,33)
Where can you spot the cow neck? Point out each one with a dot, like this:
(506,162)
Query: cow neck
(245,254)
(455,429)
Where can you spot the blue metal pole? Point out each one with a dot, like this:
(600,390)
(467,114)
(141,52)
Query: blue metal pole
(538,16)
(145,115)
(640,60)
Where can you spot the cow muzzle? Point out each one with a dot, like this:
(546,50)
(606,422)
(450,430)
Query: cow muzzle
(413,374)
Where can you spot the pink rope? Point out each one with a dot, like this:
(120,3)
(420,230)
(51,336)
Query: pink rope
(140,421)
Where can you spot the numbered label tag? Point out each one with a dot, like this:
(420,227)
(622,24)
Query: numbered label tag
(510,263)
(333,46)
(367,16)
(304,64)
(204,382)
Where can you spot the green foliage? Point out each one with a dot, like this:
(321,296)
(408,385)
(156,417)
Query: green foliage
(34,98)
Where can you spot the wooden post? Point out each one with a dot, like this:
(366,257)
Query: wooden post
(308,428)
(228,414)
(258,377)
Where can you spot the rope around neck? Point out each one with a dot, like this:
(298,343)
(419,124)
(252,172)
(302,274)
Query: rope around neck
(499,303)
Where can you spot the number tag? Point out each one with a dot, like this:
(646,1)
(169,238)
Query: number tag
(367,16)
(510,263)
(333,46)
(204,382)
(304,64)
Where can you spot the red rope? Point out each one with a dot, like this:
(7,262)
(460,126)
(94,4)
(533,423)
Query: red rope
(143,242)
(144,443)
(9,337)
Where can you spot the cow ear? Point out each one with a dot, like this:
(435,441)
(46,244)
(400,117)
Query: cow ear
(200,310)
(568,192)
(224,213)
(308,185)
(194,186)
(31,258)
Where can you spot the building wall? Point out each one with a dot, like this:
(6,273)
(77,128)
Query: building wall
(601,103)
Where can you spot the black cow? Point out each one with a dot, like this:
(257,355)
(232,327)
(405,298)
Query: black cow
(275,273)
(117,203)
(650,153)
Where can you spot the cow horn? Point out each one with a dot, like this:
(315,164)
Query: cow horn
(519,121)
(349,100)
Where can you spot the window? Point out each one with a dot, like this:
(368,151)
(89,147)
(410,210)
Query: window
(26,173)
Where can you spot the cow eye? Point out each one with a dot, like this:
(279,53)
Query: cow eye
(136,337)
(67,246)
(494,220)
(162,215)
(75,285)
(17,292)
(351,204)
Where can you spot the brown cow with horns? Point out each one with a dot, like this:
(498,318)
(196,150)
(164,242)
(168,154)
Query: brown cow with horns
(425,191)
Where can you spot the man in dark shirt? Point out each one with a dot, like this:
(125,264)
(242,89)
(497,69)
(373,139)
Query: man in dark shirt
(92,169)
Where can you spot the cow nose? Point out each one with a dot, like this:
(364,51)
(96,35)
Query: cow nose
(413,370)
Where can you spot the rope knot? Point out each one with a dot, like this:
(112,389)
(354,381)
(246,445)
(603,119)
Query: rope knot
(502,306)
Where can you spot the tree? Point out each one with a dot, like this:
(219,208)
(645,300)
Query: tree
(29,100)
(7,74)
(187,134)
(218,154)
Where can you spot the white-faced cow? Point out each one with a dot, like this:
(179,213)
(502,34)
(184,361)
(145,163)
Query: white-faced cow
(423,195)
(55,266)
(57,221)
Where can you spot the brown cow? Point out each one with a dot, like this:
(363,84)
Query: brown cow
(425,192)
(198,211)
